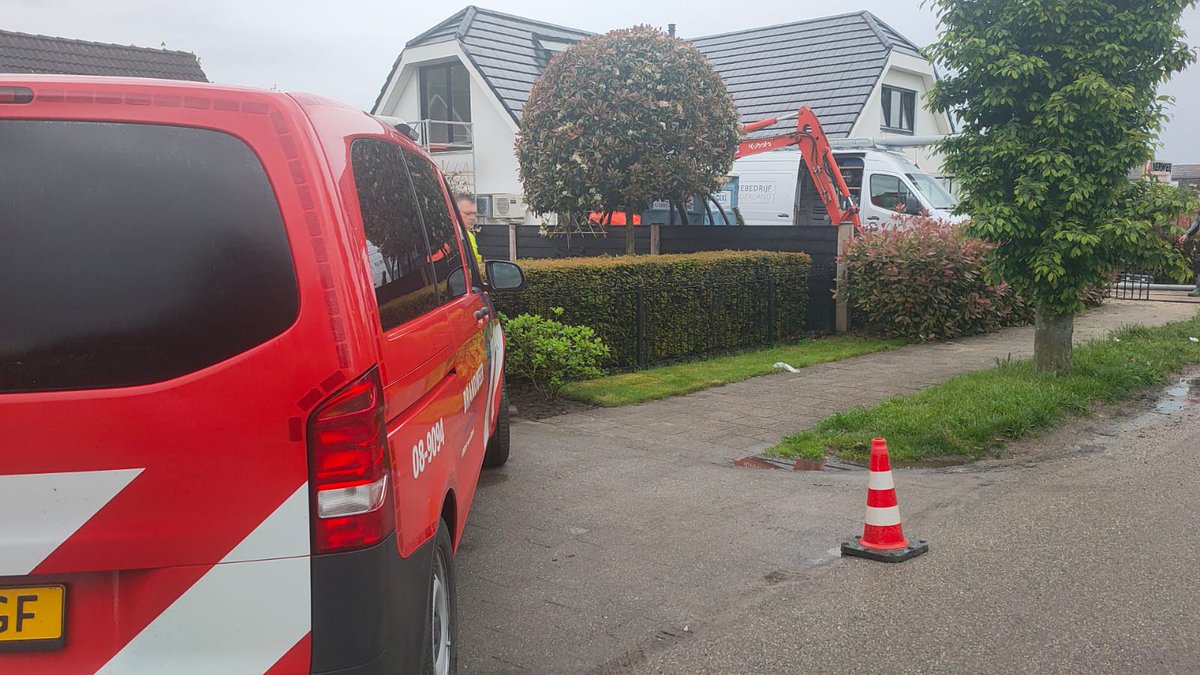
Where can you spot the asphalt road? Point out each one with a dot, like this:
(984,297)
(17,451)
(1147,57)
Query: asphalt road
(653,553)
(1082,555)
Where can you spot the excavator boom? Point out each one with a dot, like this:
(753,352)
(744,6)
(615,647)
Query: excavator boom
(817,156)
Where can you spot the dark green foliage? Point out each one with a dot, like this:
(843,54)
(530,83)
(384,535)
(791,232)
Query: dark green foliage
(1057,101)
(692,304)
(927,280)
(622,119)
(1168,209)
(549,354)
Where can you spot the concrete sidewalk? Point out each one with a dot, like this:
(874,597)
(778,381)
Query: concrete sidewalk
(613,535)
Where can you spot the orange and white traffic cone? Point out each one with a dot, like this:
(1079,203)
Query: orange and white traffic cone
(883,537)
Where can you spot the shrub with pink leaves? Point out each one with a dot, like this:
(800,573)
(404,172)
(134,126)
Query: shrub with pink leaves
(924,279)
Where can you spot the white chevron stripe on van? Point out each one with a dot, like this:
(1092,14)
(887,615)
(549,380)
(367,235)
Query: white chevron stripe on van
(240,617)
(42,510)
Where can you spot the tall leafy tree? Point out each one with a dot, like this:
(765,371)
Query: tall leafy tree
(1058,101)
(623,119)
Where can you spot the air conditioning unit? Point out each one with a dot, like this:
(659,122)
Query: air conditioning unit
(508,207)
(483,206)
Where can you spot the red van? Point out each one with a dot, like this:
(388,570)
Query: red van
(248,377)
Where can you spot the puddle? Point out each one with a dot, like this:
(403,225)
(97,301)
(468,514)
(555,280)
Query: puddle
(1179,397)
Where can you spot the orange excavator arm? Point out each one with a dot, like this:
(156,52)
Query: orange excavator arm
(817,156)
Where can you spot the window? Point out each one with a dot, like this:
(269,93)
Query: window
(547,46)
(404,280)
(445,254)
(889,192)
(134,253)
(446,103)
(899,109)
(472,265)
(933,191)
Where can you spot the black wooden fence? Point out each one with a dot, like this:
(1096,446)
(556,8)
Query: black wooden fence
(653,324)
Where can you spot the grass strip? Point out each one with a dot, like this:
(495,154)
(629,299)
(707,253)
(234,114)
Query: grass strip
(685,378)
(973,415)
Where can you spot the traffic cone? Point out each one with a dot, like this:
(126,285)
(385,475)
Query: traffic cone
(883,537)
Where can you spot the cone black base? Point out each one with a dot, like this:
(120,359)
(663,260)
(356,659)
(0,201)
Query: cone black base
(915,548)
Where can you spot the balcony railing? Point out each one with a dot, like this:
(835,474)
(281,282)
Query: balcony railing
(445,135)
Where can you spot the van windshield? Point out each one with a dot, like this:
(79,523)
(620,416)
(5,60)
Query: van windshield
(133,253)
(933,192)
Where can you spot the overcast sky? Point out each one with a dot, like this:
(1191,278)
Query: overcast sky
(345,48)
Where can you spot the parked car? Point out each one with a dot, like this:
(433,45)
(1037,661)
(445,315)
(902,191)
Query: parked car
(249,375)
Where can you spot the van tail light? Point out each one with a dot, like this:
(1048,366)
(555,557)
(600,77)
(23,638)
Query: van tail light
(349,469)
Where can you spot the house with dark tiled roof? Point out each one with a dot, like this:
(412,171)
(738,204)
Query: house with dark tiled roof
(1186,174)
(24,53)
(464,82)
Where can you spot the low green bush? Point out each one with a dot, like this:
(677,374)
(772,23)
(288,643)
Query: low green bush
(926,280)
(548,354)
(691,304)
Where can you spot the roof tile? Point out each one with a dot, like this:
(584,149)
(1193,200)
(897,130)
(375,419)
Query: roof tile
(830,64)
(24,53)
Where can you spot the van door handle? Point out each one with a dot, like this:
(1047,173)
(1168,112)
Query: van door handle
(875,218)
(481,314)
(783,215)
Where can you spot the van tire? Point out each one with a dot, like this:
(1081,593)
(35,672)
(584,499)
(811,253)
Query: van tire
(442,609)
(498,446)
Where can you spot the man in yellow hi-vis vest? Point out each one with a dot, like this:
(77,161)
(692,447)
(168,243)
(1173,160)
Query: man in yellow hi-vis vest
(466,206)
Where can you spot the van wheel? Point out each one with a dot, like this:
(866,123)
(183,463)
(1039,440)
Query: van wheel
(441,633)
(498,445)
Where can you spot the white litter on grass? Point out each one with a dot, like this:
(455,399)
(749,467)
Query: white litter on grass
(1194,339)
(1116,339)
(780,365)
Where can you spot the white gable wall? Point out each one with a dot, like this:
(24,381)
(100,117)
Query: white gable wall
(914,74)
(495,136)
(493,161)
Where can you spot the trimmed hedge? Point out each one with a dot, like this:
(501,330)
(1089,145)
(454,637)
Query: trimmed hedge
(691,304)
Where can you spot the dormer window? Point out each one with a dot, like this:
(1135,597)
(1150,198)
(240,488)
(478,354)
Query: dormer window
(446,106)
(547,46)
(899,110)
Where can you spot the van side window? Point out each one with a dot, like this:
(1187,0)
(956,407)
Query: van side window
(889,192)
(400,268)
(445,253)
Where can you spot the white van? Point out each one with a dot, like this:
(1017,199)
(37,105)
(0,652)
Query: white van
(774,190)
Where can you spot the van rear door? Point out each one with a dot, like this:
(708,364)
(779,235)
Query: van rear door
(767,187)
(156,365)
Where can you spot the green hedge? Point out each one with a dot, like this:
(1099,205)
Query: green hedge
(691,304)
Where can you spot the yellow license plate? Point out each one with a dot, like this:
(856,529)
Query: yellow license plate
(32,614)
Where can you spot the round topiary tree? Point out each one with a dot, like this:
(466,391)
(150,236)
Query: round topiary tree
(622,119)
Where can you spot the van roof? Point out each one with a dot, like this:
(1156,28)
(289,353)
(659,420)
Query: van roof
(142,82)
(63,86)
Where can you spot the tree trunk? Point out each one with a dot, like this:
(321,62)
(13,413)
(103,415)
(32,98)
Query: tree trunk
(1053,339)
(629,231)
